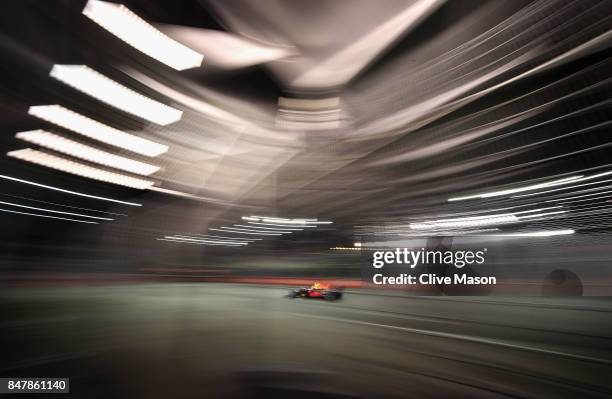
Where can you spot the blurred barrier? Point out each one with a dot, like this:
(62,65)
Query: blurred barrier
(506,287)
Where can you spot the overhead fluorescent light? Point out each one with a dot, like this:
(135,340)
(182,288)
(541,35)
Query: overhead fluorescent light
(129,27)
(85,152)
(226,50)
(61,190)
(98,86)
(95,130)
(79,169)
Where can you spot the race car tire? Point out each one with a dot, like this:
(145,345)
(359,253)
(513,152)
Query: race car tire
(332,296)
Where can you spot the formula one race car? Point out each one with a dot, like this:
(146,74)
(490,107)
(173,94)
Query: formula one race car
(318,291)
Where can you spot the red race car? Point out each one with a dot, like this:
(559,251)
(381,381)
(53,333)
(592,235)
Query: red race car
(319,291)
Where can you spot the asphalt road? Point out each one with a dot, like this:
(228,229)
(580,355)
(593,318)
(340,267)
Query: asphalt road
(216,340)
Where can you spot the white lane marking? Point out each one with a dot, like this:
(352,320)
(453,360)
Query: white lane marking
(461,337)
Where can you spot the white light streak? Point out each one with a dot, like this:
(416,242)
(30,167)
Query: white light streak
(566,180)
(191,239)
(537,215)
(484,220)
(275,221)
(47,216)
(129,27)
(255,229)
(602,193)
(54,211)
(549,233)
(537,210)
(85,152)
(95,130)
(75,168)
(282,219)
(302,226)
(226,230)
(227,238)
(474,221)
(294,221)
(98,86)
(65,206)
(197,243)
(61,190)
(563,188)
(597,175)
(268,228)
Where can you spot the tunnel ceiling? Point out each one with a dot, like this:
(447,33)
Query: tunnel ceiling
(357,112)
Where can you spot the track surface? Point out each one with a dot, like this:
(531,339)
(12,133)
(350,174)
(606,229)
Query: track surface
(216,340)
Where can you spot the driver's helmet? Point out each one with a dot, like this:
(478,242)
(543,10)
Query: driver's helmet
(319,286)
